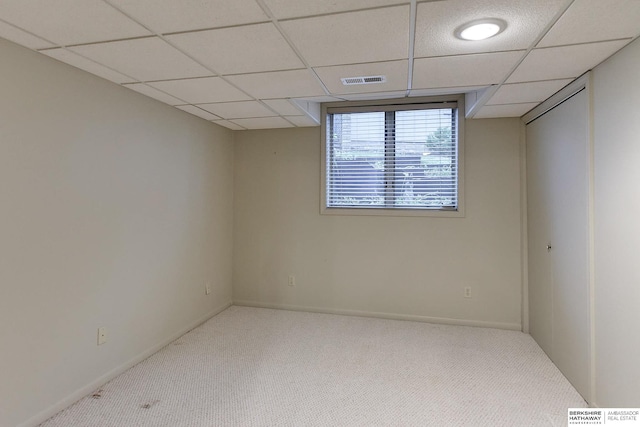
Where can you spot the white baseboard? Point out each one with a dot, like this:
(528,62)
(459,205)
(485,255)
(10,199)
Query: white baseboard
(98,382)
(412,317)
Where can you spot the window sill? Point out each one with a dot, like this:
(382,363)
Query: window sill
(393,212)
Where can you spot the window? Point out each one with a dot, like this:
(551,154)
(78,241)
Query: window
(403,157)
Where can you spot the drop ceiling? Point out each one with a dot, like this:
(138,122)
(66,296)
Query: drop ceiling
(257,64)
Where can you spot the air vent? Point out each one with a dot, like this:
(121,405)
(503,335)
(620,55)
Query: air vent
(347,81)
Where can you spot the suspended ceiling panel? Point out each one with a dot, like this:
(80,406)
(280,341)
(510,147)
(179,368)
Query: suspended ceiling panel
(395,73)
(239,110)
(594,20)
(511,110)
(228,124)
(155,94)
(273,52)
(437,21)
(283,107)
(198,112)
(235,50)
(65,55)
(519,93)
(283,9)
(279,84)
(320,99)
(463,70)
(446,90)
(301,121)
(16,35)
(263,123)
(352,37)
(563,62)
(66,22)
(200,91)
(144,59)
(372,96)
(169,16)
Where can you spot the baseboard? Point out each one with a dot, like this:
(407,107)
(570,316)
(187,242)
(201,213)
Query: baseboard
(393,316)
(89,388)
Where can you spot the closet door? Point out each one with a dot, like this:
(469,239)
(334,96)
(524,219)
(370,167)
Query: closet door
(539,213)
(558,230)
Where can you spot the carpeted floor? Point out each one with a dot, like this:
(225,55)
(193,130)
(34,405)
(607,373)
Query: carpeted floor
(261,367)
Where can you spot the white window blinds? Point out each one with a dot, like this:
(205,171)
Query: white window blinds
(401,157)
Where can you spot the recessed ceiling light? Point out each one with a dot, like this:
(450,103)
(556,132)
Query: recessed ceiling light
(481,29)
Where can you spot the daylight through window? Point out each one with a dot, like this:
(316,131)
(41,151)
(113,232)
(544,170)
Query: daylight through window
(392,157)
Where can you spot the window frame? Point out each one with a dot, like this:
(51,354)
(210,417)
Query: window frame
(448,101)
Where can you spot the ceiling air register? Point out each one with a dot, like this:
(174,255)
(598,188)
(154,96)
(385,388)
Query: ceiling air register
(366,80)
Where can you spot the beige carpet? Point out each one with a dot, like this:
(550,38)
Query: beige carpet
(261,367)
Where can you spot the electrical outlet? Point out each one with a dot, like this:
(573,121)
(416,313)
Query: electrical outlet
(292,280)
(207,288)
(102,335)
(467,292)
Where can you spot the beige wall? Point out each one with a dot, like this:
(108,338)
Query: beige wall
(114,211)
(400,266)
(616,104)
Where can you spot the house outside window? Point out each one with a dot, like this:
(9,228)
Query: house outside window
(399,157)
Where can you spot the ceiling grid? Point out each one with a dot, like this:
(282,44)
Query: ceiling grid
(250,64)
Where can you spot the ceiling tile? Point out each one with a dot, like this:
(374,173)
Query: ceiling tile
(263,123)
(563,62)
(278,84)
(16,35)
(353,37)
(394,71)
(322,98)
(374,96)
(302,121)
(88,65)
(145,59)
(437,21)
(236,50)
(70,21)
(238,110)
(527,92)
(154,93)
(228,124)
(283,107)
(202,90)
(167,16)
(283,9)
(445,91)
(595,20)
(191,109)
(510,110)
(465,70)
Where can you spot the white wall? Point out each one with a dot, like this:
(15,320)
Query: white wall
(617,228)
(404,266)
(115,210)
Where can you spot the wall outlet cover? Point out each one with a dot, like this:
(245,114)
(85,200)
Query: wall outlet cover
(102,335)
